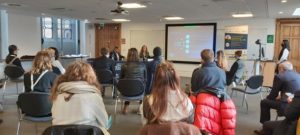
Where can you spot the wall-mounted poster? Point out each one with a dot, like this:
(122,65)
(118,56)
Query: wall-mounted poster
(236,41)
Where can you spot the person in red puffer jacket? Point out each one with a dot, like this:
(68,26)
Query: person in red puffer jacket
(215,113)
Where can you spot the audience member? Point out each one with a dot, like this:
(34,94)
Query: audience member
(144,54)
(104,63)
(169,128)
(209,75)
(288,125)
(222,60)
(167,102)
(40,78)
(286,81)
(133,69)
(116,54)
(56,62)
(52,55)
(215,113)
(12,58)
(151,68)
(285,50)
(76,98)
(236,71)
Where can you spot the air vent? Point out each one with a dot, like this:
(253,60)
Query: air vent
(12,5)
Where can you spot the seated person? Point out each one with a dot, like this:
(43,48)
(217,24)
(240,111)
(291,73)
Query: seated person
(167,102)
(221,60)
(77,98)
(40,78)
(12,58)
(209,75)
(286,81)
(116,55)
(288,125)
(177,128)
(133,69)
(56,62)
(236,71)
(144,54)
(104,63)
(52,55)
(151,68)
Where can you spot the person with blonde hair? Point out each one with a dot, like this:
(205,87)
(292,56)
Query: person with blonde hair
(55,69)
(77,99)
(222,60)
(40,78)
(144,53)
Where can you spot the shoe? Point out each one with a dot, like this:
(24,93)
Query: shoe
(259,132)
(125,110)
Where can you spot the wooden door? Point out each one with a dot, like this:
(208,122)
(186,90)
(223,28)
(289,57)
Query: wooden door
(108,36)
(289,29)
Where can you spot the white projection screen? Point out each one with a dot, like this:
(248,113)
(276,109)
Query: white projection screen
(184,42)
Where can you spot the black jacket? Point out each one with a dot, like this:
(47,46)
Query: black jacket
(16,62)
(104,63)
(114,55)
(134,70)
(151,68)
(44,85)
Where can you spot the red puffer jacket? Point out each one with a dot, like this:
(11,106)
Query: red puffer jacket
(214,115)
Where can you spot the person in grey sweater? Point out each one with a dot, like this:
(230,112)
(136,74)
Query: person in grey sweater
(209,75)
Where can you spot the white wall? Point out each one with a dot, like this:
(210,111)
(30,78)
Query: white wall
(258,29)
(90,40)
(25,32)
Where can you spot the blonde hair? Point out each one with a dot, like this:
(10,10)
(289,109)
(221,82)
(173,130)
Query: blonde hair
(76,71)
(51,52)
(41,62)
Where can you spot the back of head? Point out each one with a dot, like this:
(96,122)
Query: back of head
(157,51)
(286,44)
(132,55)
(41,62)
(77,71)
(238,53)
(12,49)
(207,55)
(56,54)
(51,52)
(104,51)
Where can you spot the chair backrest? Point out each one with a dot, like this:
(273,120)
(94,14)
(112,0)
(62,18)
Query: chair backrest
(131,87)
(35,103)
(254,82)
(104,76)
(13,71)
(73,130)
(170,128)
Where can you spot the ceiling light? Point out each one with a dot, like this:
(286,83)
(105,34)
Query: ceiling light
(280,12)
(173,18)
(132,5)
(297,12)
(120,20)
(283,1)
(86,21)
(242,15)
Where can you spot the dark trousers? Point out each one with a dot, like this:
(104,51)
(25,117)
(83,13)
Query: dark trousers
(269,126)
(265,106)
(127,102)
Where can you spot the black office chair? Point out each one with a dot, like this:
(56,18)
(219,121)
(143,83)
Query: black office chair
(130,90)
(253,86)
(73,130)
(106,78)
(34,107)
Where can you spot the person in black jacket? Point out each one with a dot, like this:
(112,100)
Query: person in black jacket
(12,58)
(151,68)
(116,55)
(288,125)
(236,71)
(133,69)
(40,78)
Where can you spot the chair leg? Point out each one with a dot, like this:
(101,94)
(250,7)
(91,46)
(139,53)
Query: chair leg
(17,86)
(231,93)
(246,103)
(116,104)
(243,99)
(36,128)
(3,92)
(18,128)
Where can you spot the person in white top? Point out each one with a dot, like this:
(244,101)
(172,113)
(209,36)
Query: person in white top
(55,61)
(77,98)
(285,50)
(167,102)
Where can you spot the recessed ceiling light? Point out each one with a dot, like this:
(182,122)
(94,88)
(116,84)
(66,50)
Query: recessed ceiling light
(280,12)
(173,18)
(297,12)
(132,5)
(86,21)
(283,1)
(242,15)
(120,20)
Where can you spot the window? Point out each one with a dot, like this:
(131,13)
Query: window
(67,29)
(47,27)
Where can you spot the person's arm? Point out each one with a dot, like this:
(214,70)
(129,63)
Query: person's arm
(59,66)
(123,70)
(277,84)
(195,80)
(284,55)
(18,63)
(27,84)
(292,111)
(100,111)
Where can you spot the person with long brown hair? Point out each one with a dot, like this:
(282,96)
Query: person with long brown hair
(133,69)
(167,101)
(222,60)
(40,78)
(77,98)
(144,53)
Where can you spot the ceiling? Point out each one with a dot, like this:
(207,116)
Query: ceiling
(191,10)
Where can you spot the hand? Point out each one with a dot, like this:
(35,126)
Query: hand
(289,100)
(278,97)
